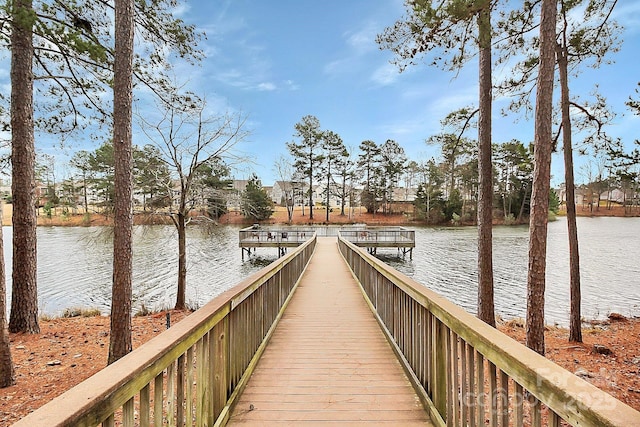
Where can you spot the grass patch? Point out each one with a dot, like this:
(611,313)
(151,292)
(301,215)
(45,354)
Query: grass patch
(80,312)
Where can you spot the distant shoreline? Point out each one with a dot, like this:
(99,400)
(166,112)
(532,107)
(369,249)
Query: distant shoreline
(357,215)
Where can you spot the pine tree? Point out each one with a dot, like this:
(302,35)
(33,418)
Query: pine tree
(307,153)
(256,203)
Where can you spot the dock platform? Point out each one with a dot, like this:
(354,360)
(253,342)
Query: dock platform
(284,237)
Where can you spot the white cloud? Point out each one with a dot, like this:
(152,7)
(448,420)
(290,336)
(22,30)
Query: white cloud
(338,66)
(267,86)
(181,9)
(385,75)
(291,85)
(452,100)
(402,128)
(628,14)
(363,40)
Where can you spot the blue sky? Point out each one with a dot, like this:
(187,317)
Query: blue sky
(277,61)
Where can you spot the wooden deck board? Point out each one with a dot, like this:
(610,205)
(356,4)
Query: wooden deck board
(328,362)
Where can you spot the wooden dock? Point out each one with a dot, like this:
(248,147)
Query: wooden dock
(281,238)
(370,238)
(328,361)
(373,238)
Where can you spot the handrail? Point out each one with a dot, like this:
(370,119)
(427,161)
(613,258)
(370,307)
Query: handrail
(192,372)
(468,373)
(382,235)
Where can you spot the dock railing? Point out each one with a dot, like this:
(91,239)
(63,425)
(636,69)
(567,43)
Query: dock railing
(468,373)
(383,235)
(191,373)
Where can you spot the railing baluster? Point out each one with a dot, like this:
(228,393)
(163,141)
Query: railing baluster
(444,373)
(145,407)
(464,385)
(189,388)
(504,399)
(518,396)
(171,394)
(480,397)
(455,379)
(109,422)
(206,362)
(158,399)
(470,398)
(200,421)
(536,411)
(211,377)
(128,414)
(220,362)
(180,392)
(422,342)
(494,395)
(429,345)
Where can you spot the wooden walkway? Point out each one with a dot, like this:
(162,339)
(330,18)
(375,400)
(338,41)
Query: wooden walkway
(328,362)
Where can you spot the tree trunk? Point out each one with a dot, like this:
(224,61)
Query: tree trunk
(344,195)
(180,223)
(524,201)
(311,187)
(485,190)
(24,297)
(7,374)
(84,194)
(575,321)
(543,143)
(120,342)
(328,183)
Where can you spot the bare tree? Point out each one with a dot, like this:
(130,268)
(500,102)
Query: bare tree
(285,171)
(189,137)
(120,341)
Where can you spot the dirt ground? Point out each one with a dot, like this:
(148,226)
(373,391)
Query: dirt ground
(66,352)
(70,350)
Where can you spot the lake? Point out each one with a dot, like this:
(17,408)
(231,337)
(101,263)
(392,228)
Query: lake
(74,266)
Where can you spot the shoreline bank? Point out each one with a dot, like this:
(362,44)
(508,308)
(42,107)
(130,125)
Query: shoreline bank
(280,217)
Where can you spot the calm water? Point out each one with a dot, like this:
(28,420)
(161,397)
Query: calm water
(75,266)
(446,261)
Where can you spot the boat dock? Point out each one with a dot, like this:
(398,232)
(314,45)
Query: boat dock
(284,237)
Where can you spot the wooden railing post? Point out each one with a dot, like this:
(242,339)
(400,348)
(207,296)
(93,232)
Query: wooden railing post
(440,357)
(220,361)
